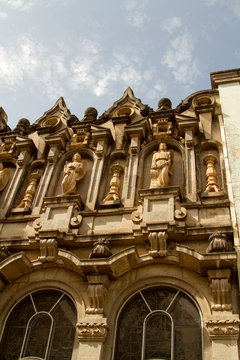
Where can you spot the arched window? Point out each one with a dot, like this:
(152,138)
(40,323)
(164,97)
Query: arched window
(41,326)
(159,324)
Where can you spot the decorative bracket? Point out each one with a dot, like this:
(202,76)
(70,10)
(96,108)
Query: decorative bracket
(48,250)
(158,242)
(97,290)
(221,287)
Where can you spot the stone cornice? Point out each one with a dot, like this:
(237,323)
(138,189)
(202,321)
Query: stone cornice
(118,264)
(223,77)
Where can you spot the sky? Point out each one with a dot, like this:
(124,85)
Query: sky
(90,51)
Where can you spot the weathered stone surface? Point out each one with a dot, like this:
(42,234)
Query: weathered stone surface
(134,199)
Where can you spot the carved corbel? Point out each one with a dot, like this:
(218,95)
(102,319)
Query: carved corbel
(221,288)
(97,290)
(158,243)
(218,243)
(48,250)
(101,249)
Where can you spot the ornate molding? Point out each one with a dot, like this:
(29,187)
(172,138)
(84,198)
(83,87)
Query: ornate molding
(92,331)
(219,329)
(180,213)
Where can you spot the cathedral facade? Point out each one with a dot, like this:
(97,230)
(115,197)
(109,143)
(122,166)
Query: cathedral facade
(119,233)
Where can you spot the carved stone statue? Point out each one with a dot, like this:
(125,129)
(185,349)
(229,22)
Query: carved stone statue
(73,172)
(211,174)
(27,200)
(115,183)
(4,176)
(161,167)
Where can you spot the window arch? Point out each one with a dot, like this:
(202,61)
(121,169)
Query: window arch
(159,324)
(41,326)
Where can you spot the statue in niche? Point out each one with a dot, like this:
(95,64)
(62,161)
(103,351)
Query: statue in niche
(27,200)
(4,177)
(211,173)
(73,172)
(161,167)
(115,183)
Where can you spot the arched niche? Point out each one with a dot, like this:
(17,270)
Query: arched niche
(113,174)
(209,148)
(177,169)
(82,186)
(31,179)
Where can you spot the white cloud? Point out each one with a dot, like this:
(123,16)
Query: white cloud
(3,15)
(26,5)
(171,24)
(21,5)
(99,75)
(234,5)
(179,58)
(25,60)
(136,13)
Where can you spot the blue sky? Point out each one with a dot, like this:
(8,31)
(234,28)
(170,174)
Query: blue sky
(90,51)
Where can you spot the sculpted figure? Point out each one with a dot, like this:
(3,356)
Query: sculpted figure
(4,177)
(73,172)
(161,166)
